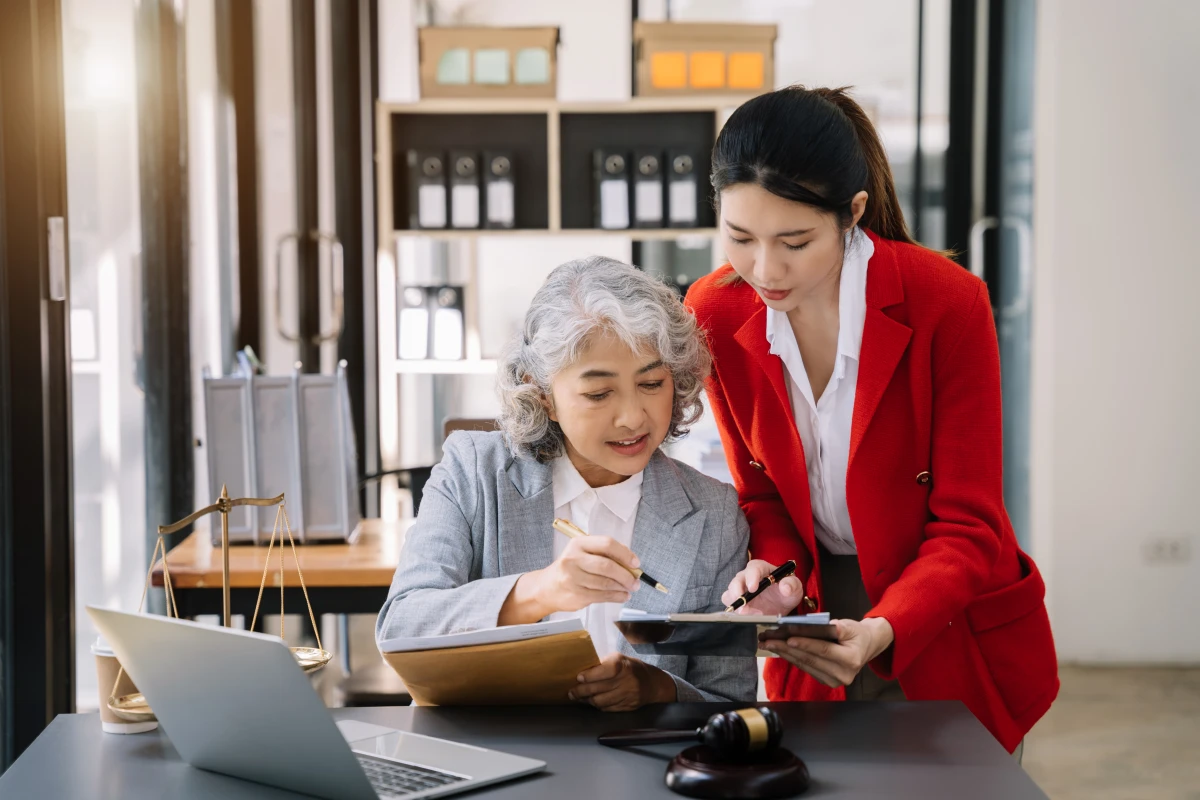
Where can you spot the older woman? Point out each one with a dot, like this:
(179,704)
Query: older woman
(608,367)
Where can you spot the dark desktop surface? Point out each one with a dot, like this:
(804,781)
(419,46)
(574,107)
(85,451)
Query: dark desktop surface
(853,750)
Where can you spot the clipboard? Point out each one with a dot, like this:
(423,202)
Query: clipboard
(526,672)
(730,635)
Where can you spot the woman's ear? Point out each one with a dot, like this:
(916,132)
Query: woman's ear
(548,403)
(858,206)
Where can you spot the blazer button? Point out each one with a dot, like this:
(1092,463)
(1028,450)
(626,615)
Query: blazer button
(809,604)
(758,466)
(924,478)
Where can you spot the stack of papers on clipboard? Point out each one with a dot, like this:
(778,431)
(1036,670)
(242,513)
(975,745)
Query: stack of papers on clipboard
(535,664)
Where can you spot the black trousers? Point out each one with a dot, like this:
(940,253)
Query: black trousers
(846,598)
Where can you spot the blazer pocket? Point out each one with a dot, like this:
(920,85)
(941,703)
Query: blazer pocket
(1001,622)
(697,599)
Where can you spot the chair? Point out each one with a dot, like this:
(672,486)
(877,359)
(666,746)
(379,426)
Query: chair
(378,684)
(452,424)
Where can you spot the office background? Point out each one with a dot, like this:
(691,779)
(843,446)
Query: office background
(1050,143)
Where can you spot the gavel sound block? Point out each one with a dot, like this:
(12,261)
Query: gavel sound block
(740,757)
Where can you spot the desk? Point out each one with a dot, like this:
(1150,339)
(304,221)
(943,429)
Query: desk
(341,578)
(853,750)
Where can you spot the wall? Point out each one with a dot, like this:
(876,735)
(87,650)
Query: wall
(210,292)
(593,60)
(594,65)
(275,113)
(1116,362)
(108,409)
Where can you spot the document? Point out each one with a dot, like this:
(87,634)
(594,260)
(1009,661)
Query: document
(535,664)
(506,633)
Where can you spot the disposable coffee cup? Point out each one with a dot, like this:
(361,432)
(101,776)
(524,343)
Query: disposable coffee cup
(107,668)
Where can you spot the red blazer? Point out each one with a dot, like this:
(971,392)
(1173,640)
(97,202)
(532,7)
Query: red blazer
(924,486)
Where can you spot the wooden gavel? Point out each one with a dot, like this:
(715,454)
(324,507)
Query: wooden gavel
(731,734)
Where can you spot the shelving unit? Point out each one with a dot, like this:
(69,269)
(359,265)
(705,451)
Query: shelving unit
(429,366)
(637,234)
(552,143)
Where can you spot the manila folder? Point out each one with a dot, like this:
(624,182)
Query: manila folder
(527,672)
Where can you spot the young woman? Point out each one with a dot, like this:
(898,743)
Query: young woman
(609,366)
(856,384)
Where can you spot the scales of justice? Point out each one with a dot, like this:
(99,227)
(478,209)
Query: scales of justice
(133,707)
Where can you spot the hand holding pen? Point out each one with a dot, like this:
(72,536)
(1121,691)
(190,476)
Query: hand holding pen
(770,589)
(569,529)
(591,569)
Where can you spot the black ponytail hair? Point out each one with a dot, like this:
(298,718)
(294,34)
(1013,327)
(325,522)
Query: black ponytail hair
(814,146)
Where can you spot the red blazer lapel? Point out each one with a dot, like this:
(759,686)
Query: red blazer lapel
(752,336)
(884,340)
(783,451)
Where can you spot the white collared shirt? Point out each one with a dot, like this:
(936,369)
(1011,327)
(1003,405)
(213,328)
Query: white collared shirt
(612,516)
(824,425)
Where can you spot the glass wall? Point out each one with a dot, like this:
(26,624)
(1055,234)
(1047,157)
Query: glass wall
(105,240)
(1013,294)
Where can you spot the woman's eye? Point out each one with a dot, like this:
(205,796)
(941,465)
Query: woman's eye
(795,247)
(738,241)
(652,385)
(596,398)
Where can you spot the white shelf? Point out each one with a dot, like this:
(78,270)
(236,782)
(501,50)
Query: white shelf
(499,105)
(465,366)
(641,234)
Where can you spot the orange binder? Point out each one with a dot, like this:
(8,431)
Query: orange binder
(526,672)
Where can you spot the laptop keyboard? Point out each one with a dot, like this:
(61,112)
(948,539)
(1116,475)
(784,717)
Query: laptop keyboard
(393,779)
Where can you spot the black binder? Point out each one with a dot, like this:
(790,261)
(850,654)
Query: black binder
(427,201)
(610,170)
(683,190)
(500,196)
(649,189)
(413,325)
(464,190)
(446,323)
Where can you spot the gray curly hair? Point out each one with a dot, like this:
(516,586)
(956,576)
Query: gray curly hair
(579,300)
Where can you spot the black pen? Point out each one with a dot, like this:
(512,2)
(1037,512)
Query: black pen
(766,583)
(572,531)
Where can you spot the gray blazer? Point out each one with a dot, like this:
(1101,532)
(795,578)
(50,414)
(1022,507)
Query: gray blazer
(485,520)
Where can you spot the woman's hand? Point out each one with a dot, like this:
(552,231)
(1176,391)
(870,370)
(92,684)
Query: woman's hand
(621,683)
(778,599)
(837,663)
(588,571)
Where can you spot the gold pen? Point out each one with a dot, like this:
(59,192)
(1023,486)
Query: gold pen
(569,529)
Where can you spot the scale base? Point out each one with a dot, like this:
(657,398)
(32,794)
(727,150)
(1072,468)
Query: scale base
(128,727)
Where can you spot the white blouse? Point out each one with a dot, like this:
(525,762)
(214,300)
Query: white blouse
(824,425)
(612,516)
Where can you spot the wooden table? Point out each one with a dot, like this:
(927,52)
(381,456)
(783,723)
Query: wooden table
(341,578)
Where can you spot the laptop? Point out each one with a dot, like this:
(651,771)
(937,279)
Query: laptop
(235,702)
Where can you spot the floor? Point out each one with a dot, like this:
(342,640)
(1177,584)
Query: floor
(1120,734)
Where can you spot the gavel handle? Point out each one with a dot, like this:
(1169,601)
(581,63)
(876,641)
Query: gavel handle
(646,736)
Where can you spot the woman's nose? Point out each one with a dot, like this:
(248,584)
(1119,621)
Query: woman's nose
(768,268)
(631,414)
